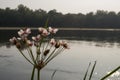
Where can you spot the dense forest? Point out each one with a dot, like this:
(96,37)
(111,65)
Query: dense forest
(23,16)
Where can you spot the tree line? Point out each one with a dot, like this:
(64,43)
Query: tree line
(22,16)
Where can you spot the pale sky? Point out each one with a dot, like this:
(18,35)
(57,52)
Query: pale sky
(65,6)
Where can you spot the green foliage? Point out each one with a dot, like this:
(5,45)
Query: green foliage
(23,16)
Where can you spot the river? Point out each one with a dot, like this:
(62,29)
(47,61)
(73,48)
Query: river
(70,65)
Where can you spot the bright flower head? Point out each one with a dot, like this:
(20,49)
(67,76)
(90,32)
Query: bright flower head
(24,32)
(37,38)
(43,32)
(13,40)
(64,44)
(52,30)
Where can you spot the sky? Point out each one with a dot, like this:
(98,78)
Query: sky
(65,6)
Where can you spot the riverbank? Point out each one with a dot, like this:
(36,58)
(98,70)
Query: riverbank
(88,29)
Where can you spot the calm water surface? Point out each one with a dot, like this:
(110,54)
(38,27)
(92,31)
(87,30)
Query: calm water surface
(71,65)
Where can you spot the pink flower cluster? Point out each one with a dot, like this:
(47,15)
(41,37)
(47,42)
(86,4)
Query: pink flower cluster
(43,32)
(22,40)
(46,48)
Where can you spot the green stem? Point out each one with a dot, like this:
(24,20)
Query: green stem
(38,74)
(33,71)
(37,58)
(25,57)
(32,55)
(50,55)
(93,68)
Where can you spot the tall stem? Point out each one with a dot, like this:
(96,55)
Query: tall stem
(33,72)
(25,57)
(38,74)
(32,55)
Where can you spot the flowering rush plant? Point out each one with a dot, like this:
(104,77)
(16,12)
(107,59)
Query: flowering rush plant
(46,49)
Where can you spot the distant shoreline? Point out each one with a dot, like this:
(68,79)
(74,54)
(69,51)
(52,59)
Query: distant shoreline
(88,29)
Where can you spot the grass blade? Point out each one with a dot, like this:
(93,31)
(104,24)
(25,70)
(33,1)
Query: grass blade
(46,23)
(92,71)
(87,71)
(53,74)
(110,73)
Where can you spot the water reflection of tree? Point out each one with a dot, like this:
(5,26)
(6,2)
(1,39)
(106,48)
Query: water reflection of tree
(101,37)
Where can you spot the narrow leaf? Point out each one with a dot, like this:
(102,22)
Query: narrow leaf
(46,23)
(87,71)
(53,74)
(92,71)
(106,76)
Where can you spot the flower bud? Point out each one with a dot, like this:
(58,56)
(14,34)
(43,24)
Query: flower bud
(40,30)
(65,45)
(13,40)
(52,41)
(29,43)
(36,44)
(18,45)
(46,52)
(45,33)
(57,45)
